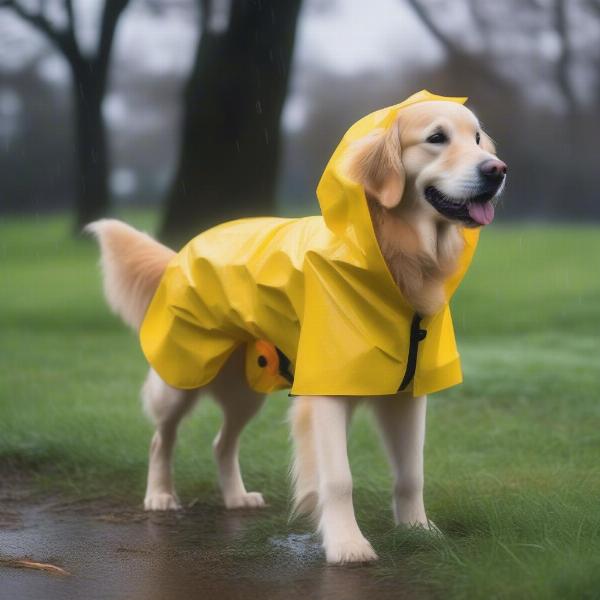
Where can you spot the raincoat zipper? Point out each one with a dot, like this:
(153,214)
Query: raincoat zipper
(417,335)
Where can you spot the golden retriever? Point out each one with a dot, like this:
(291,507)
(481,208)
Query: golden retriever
(431,173)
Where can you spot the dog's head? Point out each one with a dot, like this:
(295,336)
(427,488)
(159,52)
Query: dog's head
(436,160)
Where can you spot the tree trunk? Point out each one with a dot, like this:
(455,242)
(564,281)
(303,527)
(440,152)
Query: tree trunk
(233,103)
(92,199)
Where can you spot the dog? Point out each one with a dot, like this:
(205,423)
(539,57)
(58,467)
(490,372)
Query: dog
(426,178)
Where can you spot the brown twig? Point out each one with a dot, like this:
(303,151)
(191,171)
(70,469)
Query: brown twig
(25,563)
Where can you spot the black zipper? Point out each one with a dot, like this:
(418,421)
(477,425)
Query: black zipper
(416,335)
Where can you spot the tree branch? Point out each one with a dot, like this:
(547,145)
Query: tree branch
(425,18)
(36,19)
(476,13)
(110,17)
(64,41)
(205,13)
(595,5)
(70,16)
(561,21)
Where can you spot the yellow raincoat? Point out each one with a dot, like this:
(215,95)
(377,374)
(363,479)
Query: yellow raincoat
(312,299)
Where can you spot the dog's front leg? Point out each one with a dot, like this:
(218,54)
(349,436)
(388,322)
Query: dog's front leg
(402,422)
(342,538)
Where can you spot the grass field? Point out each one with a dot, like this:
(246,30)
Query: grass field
(512,458)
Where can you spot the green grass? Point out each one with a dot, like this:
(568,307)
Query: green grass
(512,459)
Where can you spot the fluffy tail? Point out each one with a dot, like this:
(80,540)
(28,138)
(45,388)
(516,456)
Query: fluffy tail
(304,467)
(132,265)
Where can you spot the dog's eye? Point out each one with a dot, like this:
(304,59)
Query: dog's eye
(477,138)
(437,138)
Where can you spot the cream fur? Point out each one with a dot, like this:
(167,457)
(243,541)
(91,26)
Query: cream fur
(132,264)
(304,462)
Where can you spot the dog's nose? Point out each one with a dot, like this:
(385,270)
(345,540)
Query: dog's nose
(493,170)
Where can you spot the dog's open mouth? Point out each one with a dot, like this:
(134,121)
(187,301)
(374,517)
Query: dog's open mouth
(473,212)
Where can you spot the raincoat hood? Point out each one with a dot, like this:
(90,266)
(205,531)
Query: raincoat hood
(316,291)
(342,201)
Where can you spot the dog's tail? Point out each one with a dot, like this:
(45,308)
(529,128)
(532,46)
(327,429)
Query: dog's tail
(304,467)
(132,265)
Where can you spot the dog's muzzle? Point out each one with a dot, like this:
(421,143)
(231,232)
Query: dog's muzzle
(476,210)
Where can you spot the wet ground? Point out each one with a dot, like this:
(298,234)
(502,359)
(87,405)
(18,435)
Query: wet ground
(115,553)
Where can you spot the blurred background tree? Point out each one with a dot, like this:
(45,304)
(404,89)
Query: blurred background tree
(231,125)
(197,91)
(89,73)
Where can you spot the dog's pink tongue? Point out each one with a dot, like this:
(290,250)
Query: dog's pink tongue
(481,212)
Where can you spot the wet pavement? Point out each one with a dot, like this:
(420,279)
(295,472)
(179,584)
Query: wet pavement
(116,553)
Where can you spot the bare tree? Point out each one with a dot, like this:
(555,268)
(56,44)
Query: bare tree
(561,24)
(233,104)
(483,65)
(460,60)
(89,78)
(594,9)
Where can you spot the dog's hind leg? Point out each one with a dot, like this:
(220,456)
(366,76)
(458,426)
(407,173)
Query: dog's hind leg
(239,404)
(166,406)
(402,423)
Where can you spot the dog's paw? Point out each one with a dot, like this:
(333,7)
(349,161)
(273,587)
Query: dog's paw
(161,501)
(350,551)
(247,500)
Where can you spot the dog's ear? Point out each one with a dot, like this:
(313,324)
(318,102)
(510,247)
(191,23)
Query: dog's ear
(375,162)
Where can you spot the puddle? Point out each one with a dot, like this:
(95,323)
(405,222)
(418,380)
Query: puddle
(128,554)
